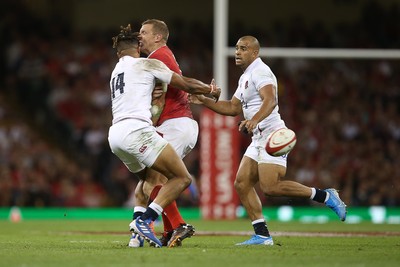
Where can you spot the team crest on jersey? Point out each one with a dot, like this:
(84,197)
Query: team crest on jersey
(142,148)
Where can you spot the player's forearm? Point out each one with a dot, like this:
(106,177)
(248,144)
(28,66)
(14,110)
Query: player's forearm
(196,87)
(223,107)
(264,111)
(157,106)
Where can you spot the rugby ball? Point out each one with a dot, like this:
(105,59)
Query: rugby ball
(280,142)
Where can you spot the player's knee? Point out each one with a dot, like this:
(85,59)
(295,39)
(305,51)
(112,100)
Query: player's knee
(187,180)
(271,190)
(240,186)
(184,182)
(140,197)
(156,178)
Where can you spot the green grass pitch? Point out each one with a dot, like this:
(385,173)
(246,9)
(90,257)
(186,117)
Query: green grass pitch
(103,243)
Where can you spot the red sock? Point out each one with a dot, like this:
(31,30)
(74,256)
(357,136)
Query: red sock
(167,223)
(154,192)
(172,219)
(172,213)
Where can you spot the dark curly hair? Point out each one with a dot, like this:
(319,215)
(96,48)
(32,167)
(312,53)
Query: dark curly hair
(125,39)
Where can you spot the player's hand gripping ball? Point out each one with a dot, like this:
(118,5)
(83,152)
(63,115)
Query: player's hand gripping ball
(281,142)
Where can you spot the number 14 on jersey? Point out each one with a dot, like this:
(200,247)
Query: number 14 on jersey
(117,84)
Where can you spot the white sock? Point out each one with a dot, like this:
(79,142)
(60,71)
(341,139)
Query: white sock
(139,209)
(157,208)
(257,221)
(313,192)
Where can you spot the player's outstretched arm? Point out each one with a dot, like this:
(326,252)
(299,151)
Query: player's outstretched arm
(231,107)
(194,86)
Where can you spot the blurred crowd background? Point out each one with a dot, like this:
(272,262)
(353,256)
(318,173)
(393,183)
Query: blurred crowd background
(55,106)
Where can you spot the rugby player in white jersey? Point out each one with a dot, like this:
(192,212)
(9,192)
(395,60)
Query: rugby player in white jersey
(132,137)
(257,97)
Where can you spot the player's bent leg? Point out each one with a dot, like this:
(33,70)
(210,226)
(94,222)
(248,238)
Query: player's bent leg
(153,179)
(182,134)
(174,224)
(272,185)
(246,178)
(175,227)
(171,166)
(141,198)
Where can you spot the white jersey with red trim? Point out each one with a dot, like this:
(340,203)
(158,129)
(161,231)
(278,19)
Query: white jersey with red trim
(132,82)
(257,75)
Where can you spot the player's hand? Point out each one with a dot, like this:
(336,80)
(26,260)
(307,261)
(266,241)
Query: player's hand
(196,99)
(158,91)
(215,90)
(157,101)
(242,127)
(247,126)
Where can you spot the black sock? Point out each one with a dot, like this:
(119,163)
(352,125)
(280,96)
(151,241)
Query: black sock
(320,195)
(137,214)
(261,229)
(149,214)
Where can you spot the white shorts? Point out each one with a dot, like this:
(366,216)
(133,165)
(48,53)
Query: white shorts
(256,151)
(181,133)
(136,143)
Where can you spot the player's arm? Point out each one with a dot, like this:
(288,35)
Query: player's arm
(190,85)
(269,102)
(196,87)
(158,101)
(231,107)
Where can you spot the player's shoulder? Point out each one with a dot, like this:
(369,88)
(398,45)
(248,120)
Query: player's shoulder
(155,61)
(163,53)
(154,64)
(128,61)
(260,64)
(261,68)
(163,50)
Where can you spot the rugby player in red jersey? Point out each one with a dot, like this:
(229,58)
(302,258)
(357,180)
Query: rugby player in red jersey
(174,121)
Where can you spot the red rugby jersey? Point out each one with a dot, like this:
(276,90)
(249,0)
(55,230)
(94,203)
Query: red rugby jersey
(176,101)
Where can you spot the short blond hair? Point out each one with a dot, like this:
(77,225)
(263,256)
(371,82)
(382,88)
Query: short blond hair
(159,27)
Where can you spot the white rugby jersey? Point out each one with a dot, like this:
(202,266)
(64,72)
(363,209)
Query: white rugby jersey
(132,82)
(257,75)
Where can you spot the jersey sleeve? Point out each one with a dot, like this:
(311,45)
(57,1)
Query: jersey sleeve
(238,93)
(160,70)
(263,78)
